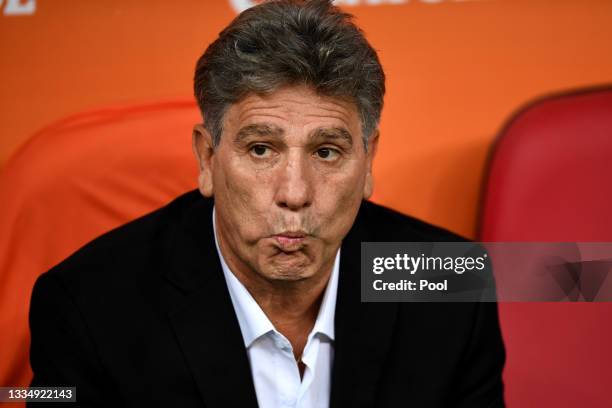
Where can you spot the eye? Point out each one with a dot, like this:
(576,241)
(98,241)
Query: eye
(260,151)
(327,153)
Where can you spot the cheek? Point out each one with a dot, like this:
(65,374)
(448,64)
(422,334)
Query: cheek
(243,196)
(339,199)
(345,183)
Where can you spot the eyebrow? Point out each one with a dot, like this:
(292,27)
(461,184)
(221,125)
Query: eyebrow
(258,130)
(334,133)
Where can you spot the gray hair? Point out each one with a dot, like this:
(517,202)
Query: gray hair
(290,42)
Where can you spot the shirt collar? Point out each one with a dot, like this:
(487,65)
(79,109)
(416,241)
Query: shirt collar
(253,321)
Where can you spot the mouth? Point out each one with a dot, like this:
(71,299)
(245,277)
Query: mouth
(290,241)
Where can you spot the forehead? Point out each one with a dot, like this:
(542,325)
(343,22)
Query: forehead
(294,107)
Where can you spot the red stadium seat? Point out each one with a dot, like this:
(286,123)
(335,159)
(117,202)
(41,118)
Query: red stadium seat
(73,181)
(550,180)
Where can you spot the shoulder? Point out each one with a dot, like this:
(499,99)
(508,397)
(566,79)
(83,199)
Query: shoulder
(385,224)
(127,252)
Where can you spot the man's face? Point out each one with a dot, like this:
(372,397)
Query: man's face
(288,177)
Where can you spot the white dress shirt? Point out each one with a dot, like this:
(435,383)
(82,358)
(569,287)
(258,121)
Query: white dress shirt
(275,372)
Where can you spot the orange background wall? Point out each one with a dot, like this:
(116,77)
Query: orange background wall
(456,70)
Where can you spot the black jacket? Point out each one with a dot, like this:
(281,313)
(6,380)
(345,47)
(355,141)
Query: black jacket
(141,316)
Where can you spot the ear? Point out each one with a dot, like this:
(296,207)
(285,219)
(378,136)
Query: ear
(368,186)
(203,148)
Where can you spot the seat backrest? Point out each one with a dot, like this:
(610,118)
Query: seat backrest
(550,175)
(73,181)
(550,179)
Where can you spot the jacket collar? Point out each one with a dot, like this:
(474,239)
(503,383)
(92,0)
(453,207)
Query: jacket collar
(363,330)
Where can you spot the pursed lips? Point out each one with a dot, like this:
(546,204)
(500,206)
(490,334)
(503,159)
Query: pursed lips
(289,241)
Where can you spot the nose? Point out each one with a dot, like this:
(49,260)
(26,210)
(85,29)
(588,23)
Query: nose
(294,189)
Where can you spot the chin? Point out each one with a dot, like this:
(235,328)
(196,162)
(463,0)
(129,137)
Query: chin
(287,277)
(289,269)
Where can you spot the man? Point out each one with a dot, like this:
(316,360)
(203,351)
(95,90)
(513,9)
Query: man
(247,292)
